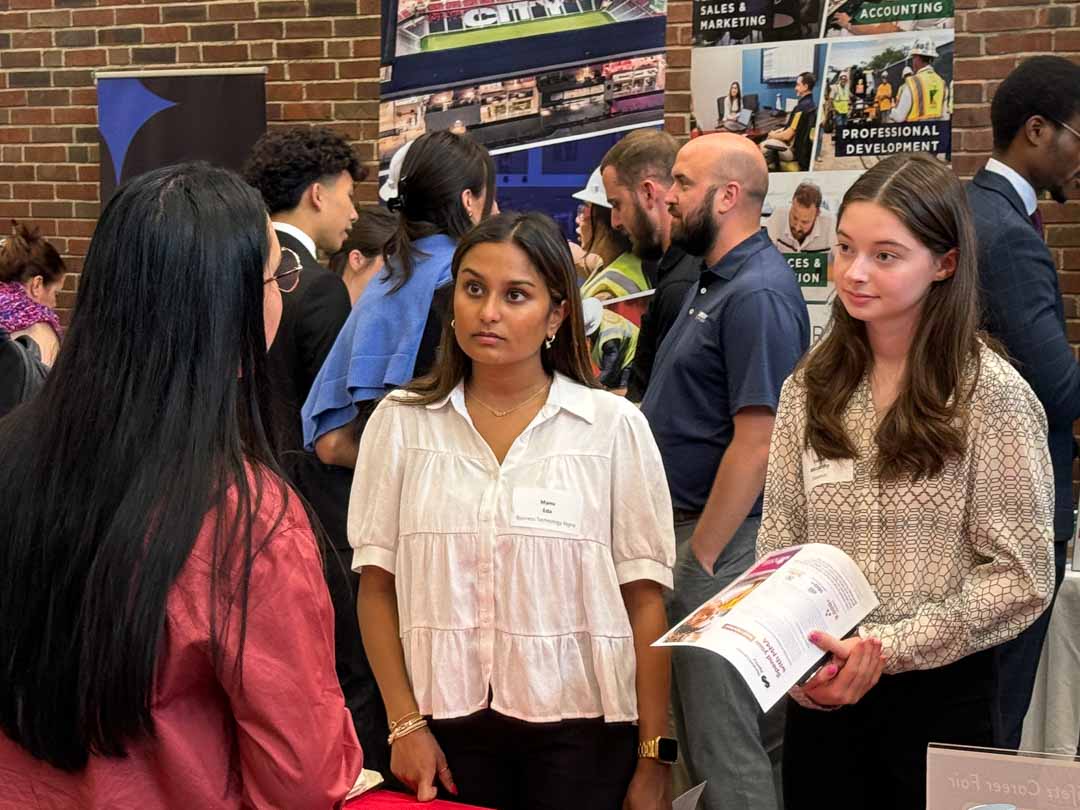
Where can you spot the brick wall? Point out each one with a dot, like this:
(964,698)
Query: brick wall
(322,58)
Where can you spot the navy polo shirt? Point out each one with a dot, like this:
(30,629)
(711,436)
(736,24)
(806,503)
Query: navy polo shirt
(741,330)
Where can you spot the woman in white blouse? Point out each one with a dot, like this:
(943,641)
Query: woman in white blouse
(513,529)
(732,104)
(909,443)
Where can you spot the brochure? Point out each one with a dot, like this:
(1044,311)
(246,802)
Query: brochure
(762,621)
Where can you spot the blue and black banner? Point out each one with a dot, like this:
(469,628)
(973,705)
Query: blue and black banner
(149,119)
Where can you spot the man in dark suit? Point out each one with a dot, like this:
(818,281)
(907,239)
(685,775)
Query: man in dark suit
(306,177)
(1036,121)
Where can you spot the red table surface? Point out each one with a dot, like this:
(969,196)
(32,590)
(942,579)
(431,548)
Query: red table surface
(380,799)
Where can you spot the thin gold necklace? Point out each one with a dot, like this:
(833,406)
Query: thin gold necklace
(500,414)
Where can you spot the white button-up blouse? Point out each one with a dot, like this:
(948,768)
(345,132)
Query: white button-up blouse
(508,576)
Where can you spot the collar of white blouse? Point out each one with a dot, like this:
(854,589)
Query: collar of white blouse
(565,394)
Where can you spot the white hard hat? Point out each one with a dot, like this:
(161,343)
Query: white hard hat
(907,71)
(594,192)
(592,311)
(390,187)
(923,47)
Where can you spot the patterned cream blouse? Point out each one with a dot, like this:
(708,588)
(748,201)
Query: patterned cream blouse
(960,562)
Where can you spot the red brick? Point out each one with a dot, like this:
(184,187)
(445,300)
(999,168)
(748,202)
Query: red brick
(225,53)
(50,19)
(14,135)
(84,97)
(32,115)
(13,20)
(300,50)
(338,49)
(359,69)
(93,16)
(31,39)
(1000,20)
(20,171)
(187,54)
(75,115)
(262,50)
(365,48)
(85,58)
(20,59)
(89,174)
(1063,236)
(357,27)
(260,30)
(284,92)
(1029,42)
(51,208)
(967,92)
(14,210)
(62,173)
(232,11)
(45,154)
(311,71)
(301,111)
(30,4)
(287,8)
(75,227)
(51,134)
(997,68)
(145,15)
(34,191)
(12,98)
(76,191)
(165,33)
(330,90)
(309,29)
(119,56)
(1067,41)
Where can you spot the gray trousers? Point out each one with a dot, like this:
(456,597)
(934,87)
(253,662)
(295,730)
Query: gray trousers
(724,737)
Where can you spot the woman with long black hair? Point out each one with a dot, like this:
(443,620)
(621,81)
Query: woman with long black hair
(165,633)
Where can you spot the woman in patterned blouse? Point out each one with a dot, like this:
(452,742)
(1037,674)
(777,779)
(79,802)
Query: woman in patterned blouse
(936,481)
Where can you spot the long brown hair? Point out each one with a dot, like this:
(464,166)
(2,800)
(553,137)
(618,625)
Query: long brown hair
(542,241)
(926,424)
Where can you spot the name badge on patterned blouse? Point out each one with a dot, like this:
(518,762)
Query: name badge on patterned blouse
(551,509)
(818,470)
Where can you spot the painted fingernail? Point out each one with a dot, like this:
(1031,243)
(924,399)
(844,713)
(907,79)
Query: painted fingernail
(815,636)
(831,670)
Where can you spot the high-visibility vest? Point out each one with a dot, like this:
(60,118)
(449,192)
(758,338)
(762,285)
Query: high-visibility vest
(841,99)
(623,276)
(884,97)
(927,91)
(614,326)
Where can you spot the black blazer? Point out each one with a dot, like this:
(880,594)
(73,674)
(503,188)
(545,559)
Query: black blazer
(311,317)
(1022,308)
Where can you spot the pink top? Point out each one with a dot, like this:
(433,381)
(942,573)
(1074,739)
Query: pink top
(295,746)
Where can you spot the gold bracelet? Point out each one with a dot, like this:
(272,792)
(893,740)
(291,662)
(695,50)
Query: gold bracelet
(405,729)
(410,716)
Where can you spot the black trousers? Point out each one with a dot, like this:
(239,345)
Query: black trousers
(1017,664)
(327,489)
(873,754)
(508,764)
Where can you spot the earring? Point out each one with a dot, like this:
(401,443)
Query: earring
(549,341)
(453,323)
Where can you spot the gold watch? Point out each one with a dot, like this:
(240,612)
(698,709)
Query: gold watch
(663,749)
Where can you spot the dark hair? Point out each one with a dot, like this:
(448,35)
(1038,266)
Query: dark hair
(644,153)
(542,241)
(807,193)
(149,423)
(26,254)
(285,162)
(369,234)
(604,233)
(438,167)
(1047,86)
(925,425)
(809,79)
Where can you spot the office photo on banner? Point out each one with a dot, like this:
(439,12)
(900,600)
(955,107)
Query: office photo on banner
(150,119)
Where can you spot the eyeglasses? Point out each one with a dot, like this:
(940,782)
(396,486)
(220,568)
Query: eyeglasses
(1063,125)
(287,275)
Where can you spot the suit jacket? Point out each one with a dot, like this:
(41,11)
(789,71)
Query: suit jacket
(1022,308)
(311,317)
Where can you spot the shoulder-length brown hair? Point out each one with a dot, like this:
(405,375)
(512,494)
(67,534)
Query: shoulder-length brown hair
(925,425)
(542,241)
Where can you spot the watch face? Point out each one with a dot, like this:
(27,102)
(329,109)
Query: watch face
(667,749)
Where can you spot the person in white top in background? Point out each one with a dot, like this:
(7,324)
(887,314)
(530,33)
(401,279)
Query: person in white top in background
(514,541)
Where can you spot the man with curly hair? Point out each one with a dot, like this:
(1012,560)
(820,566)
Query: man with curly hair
(306,177)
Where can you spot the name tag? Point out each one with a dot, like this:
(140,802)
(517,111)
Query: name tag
(818,471)
(551,509)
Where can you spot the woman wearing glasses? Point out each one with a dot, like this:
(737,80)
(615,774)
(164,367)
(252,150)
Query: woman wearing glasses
(151,547)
